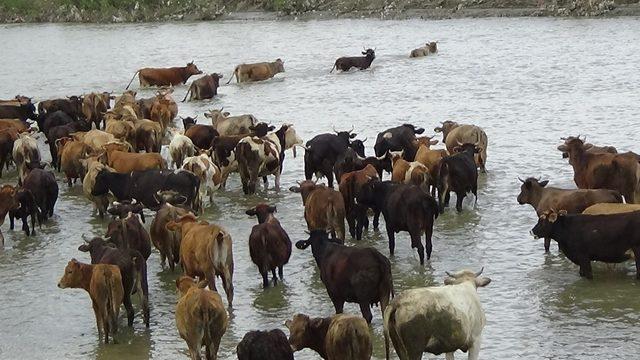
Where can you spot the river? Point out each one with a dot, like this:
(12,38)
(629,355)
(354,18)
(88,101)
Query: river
(527,82)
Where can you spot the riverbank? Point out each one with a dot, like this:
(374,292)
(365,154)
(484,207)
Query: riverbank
(112,11)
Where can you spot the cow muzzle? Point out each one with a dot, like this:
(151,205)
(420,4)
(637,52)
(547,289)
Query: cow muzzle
(534,235)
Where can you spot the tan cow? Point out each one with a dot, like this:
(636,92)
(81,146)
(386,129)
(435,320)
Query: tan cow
(25,151)
(8,202)
(125,162)
(431,159)
(148,136)
(231,125)
(94,105)
(205,252)
(94,139)
(122,130)
(324,207)
(93,167)
(409,172)
(257,71)
(104,284)
(429,48)
(454,134)
(339,337)
(200,318)
(71,152)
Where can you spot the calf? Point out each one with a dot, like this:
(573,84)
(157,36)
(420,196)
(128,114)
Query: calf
(350,185)
(126,162)
(351,274)
(429,48)
(128,233)
(405,208)
(264,345)
(28,207)
(334,338)
(257,71)
(454,134)
(22,108)
(322,152)
(94,105)
(42,184)
(350,161)
(8,202)
(104,285)
(25,151)
(122,209)
(165,76)
(205,87)
(438,319)
(133,271)
(361,62)
(458,173)
(180,147)
(405,172)
(200,318)
(205,252)
(269,244)
(7,139)
(324,208)
(586,238)
(167,242)
(535,193)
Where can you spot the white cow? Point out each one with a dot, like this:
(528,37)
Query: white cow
(209,174)
(180,147)
(439,319)
(25,151)
(231,125)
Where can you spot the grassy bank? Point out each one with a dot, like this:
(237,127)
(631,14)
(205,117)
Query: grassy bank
(165,10)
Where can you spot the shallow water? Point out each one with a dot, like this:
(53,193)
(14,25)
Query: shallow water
(527,82)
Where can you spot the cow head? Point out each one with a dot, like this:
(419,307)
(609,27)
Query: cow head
(261,129)
(446,128)
(544,227)
(185,283)
(414,129)
(76,103)
(432,46)
(170,197)
(303,330)
(216,115)
(530,191)
(317,238)
(345,135)
(72,277)
(367,193)
(305,188)
(468,148)
(264,212)
(358,146)
(279,65)
(188,122)
(192,69)
(95,247)
(369,54)
(573,145)
(122,209)
(426,141)
(467,276)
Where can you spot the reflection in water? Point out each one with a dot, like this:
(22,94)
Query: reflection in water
(526,82)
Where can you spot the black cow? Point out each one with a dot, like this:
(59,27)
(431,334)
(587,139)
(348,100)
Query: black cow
(350,161)
(42,184)
(586,238)
(345,63)
(133,270)
(323,150)
(399,138)
(72,106)
(28,207)
(264,345)
(128,233)
(405,208)
(351,274)
(60,131)
(458,173)
(46,121)
(22,110)
(144,185)
(122,209)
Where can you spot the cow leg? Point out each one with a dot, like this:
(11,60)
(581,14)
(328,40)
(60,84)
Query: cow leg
(277,180)
(280,272)
(365,309)
(126,300)
(392,240)
(352,223)
(265,181)
(330,178)
(459,199)
(547,244)
(11,222)
(585,269)
(416,243)
(98,314)
(211,278)
(275,278)
(449,356)
(265,279)
(25,223)
(636,254)
(376,220)
(227,282)
(338,304)
(447,197)
(474,349)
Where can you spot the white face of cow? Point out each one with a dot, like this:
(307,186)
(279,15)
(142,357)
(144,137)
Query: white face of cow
(291,138)
(463,276)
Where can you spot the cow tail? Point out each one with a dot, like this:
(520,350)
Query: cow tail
(235,71)
(636,194)
(389,328)
(206,321)
(332,214)
(110,301)
(197,201)
(187,94)
(334,67)
(134,76)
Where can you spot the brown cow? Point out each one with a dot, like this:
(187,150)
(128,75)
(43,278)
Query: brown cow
(204,88)
(94,139)
(323,207)
(104,284)
(205,252)
(542,198)
(122,130)
(454,134)
(165,76)
(16,124)
(7,138)
(71,152)
(94,105)
(587,146)
(405,172)
(167,242)
(431,159)
(148,136)
(269,243)
(257,71)
(161,113)
(125,162)
(619,172)
(8,202)
(200,318)
(338,337)
(350,185)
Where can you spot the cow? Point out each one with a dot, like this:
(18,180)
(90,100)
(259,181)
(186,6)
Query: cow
(205,87)
(94,105)
(350,185)
(71,153)
(205,252)
(405,208)
(351,274)
(437,319)
(264,345)
(334,338)
(350,161)
(104,284)
(20,108)
(126,105)
(50,120)
(148,136)
(7,139)
(72,106)
(143,185)
(133,271)
(454,133)
(400,138)
(257,71)
(121,209)
(162,113)
(269,243)
(25,151)
(200,318)
(610,208)
(8,202)
(619,172)
(27,207)
(586,238)
(431,158)
(231,125)
(324,208)
(587,146)
(167,242)
(458,173)
(165,76)
(125,162)
(43,186)
(323,150)
(180,147)
(429,48)
(15,124)
(95,139)
(201,135)
(542,198)
(207,172)
(345,63)
(63,131)
(122,130)
(93,168)
(129,233)
(405,172)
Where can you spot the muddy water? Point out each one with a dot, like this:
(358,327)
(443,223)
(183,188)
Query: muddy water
(527,82)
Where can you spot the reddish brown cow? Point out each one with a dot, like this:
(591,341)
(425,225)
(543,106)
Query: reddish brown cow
(165,76)
(167,242)
(350,185)
(323,207)
(7,138)
(8,202)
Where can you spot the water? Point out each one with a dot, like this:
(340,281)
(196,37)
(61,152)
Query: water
(527,82)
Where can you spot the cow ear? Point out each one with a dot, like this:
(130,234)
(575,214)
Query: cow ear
(303,244)
(433,141)
(251,212)
(544,183)
(482,281)
(202,284)
(295,189)
(273,209)
(449,281)
(438,129)
(83,248)
(553,217)
(562,213)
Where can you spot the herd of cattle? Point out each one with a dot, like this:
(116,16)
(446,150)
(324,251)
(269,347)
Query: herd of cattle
(115,152)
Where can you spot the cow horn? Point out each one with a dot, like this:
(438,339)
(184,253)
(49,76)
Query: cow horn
(350,131)
(134,201)
(563,138)
(449,274)
(522,181)
(459,143)
(365,139)
(480,272)
(334,129)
